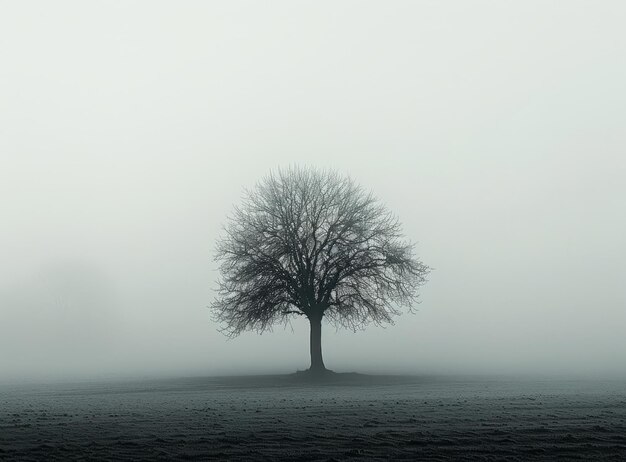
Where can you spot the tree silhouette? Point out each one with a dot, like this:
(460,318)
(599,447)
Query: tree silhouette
(313,243)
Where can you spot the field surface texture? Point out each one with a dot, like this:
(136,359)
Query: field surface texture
(285,418)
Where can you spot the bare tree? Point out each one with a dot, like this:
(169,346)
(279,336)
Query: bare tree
(312,243)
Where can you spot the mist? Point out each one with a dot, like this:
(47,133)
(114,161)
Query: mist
(495,132)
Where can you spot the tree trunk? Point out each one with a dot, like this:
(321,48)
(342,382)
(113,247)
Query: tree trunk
(317,362)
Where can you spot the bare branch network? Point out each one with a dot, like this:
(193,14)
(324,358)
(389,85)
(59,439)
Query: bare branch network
(311,242)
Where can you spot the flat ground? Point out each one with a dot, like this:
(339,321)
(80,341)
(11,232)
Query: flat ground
(285,418)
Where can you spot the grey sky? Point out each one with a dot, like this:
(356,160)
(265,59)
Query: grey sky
(495,130)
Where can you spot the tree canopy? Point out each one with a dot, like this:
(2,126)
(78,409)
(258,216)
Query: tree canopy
(312,242)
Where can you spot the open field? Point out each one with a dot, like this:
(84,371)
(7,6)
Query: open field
(283,418)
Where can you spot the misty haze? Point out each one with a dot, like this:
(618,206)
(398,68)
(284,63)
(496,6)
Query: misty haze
(197,197)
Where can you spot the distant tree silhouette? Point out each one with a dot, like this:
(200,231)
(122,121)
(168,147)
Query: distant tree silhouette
(313,243)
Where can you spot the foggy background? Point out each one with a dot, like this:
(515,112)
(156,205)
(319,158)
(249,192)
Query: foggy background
(495,131)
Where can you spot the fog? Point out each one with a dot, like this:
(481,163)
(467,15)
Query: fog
(494,130)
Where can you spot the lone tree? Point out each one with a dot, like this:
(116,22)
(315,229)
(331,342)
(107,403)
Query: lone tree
(312,243)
